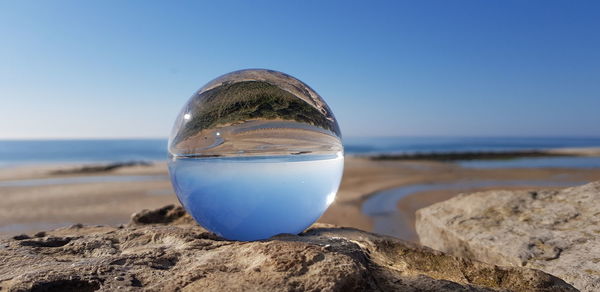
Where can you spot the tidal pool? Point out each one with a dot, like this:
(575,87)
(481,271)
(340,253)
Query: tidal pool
(382,207)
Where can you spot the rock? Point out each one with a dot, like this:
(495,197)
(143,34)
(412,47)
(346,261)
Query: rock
(166,214)
(173,254)
(556,231)
(100,167)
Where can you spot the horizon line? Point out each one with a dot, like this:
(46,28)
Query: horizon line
(346,137)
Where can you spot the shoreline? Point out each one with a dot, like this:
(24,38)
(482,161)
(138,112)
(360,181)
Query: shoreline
(410,156)
(112,202)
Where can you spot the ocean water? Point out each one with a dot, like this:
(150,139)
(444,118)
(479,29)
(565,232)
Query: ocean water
(256,198)
(19,152)
(399,145)
(93,151)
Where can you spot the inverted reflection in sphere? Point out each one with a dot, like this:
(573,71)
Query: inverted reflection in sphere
(255,153)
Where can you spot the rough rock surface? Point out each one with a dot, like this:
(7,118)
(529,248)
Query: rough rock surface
(163,250)
(555,231)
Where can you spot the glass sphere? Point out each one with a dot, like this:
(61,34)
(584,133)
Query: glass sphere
(255,153)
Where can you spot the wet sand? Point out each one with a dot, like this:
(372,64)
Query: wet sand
(365,178)
(31,208)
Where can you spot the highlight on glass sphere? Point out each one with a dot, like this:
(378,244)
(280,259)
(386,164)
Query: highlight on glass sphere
(255,153)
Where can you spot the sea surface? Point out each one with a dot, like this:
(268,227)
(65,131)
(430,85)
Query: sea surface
(19,152)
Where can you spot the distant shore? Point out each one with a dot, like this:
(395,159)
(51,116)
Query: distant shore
(489,155)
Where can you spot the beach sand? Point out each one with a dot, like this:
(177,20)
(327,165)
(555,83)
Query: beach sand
(40,206)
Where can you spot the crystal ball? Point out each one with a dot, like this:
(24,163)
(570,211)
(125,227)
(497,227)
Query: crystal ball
(255,153)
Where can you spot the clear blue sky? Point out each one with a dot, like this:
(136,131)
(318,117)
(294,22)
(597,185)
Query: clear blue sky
(78,69)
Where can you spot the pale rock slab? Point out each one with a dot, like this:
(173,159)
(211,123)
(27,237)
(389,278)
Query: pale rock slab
(556,231)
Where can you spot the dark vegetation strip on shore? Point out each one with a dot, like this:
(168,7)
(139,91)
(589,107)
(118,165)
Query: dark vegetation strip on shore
(250,100)
(474,155)
(100,167)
